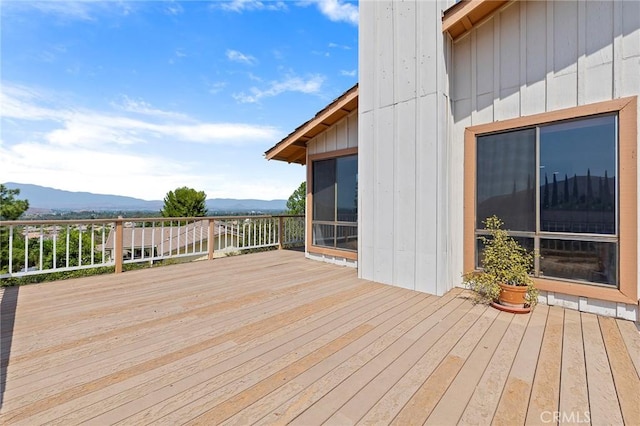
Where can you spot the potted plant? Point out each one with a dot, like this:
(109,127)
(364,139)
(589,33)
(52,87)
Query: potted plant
(504,280)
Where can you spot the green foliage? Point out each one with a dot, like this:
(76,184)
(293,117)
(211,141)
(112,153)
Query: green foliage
(79,249)
(184,202)
(296,204)
(504,261)
(10,208)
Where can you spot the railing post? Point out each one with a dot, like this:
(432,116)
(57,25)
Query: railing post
(280,231)
(211,238)
(118,243)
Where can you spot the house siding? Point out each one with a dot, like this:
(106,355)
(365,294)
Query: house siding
(403,178)
(342,135)
(419,91)
(534,57)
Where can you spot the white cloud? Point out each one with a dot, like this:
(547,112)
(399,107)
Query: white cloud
(321,53)
(339,46)
(311,85)
(83,10)
(90,169)
(236,56)
(141,107)
(147,176)
(217,87)
(173,8)
(141,123)
(346,73)
(249,5)
(177,55)
(136,149)
(339,11)
(254,77)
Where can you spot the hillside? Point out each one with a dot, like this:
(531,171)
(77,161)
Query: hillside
(44,198)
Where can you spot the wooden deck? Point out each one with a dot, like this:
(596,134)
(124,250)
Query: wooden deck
(273,338)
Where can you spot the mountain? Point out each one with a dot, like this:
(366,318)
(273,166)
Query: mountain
(43,198)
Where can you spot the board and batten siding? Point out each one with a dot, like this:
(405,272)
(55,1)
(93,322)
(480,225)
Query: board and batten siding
(533,57)
(340,136)
(404,233)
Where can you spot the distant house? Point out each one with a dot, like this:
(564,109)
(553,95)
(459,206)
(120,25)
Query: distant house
(526,110)
(149,242)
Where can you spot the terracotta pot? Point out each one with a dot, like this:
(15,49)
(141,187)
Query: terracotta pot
(512,295)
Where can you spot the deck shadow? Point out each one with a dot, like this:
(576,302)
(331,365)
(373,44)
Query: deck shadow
(7,321)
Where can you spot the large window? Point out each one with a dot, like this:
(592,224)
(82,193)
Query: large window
(555,186)
(335,203)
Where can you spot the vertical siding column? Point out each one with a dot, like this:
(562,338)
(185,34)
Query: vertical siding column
(383,143)
(404,175)
(617,49)
(582,51)
(550,53)
(366,137)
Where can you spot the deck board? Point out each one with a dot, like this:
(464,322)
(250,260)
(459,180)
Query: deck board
(274,338)
(514,397)
(604,407)
(627,384)
(456,399)
(574,396)
(545,392)
(482,405)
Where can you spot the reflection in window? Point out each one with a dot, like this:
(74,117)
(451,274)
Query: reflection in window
(577,176)
(506,179)
(335,203)
(324,190)
(573,192)
(588,261)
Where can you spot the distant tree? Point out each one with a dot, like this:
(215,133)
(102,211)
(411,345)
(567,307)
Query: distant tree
(554,191)
(545,199)
(296,204)
(607,192)
(566,189)
(600,192)
(184,202)
(10,208)
(575,194)
(589,190)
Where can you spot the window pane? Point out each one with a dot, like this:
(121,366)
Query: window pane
(578,176)
(347,238)
(506,179)
(347,187)
(588,261)
(324,177)
(323,235)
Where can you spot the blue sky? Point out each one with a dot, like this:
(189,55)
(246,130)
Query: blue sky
(139,98)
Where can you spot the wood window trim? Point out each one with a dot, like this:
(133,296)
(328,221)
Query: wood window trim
(310,248)
(627,109)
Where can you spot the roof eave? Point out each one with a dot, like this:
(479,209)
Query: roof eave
(293,147)
(460,18)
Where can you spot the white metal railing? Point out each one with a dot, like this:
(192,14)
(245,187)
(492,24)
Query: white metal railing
(42,247)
